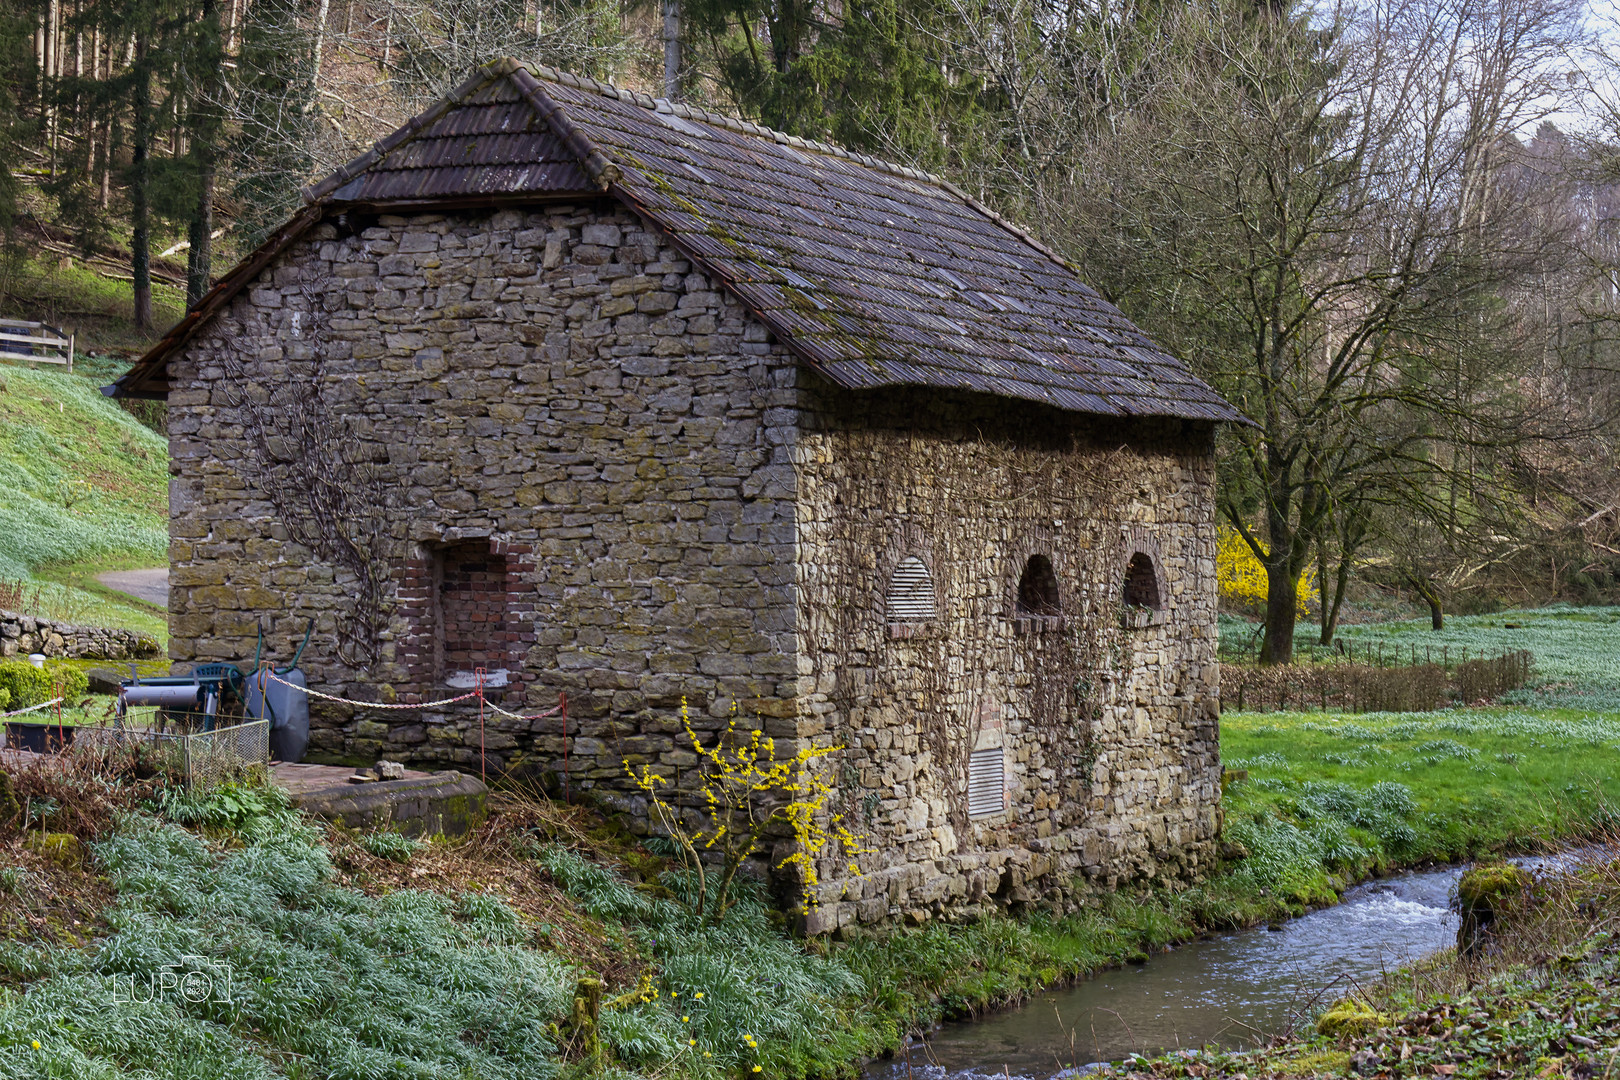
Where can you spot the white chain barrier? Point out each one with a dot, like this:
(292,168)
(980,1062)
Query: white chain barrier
(31,708)
(419,705)
(368,704)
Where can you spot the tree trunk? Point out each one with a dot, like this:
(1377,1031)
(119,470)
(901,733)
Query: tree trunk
(1324,613)
(672,49)
(1431,596)
(1341,582)
(320,40)
(139,214)
(1282,598)
(199,260)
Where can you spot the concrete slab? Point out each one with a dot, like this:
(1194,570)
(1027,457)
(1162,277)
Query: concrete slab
(149,585)
(302,777)
(421,804)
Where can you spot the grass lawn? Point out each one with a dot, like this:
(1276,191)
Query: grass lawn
(1362,793)
(83,488)
(1456,783)
(100,310)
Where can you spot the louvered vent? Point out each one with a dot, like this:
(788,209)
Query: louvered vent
(911,592)
(987,783)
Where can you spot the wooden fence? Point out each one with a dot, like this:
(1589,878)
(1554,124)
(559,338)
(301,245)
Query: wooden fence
(1359,687)
(35,342)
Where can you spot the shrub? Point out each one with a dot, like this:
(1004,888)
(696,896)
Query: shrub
(228,806)
(1241,577)
(25,685)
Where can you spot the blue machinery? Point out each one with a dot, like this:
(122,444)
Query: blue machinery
(267,693)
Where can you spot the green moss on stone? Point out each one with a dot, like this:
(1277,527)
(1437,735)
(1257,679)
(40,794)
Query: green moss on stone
(1350,1017)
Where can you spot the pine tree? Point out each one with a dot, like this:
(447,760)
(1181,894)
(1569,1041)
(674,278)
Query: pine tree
(875,75)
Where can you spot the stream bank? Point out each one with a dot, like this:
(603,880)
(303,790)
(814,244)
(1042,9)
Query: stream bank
(1543,1000)
(1227,990)
(1238,991)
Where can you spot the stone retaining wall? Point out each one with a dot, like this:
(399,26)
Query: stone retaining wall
(22,635)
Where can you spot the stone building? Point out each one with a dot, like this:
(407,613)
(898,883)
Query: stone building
(603,396)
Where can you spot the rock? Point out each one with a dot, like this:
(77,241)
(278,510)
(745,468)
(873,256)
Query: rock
(103,680)
(1350,1017)
(390,770)
(26,634)
(1364,1063)
(61,848)
(1483,894)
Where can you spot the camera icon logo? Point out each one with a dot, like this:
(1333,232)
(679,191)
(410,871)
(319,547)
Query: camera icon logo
(189,979)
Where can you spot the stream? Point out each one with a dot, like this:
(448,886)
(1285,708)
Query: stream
(1224,990)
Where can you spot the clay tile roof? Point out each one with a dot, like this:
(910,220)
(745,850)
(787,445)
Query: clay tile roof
(872,273)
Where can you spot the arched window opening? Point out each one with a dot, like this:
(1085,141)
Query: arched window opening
(911,593)
(1038,588)
(1141,583)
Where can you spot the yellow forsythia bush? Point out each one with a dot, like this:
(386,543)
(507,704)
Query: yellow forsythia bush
(1242,577)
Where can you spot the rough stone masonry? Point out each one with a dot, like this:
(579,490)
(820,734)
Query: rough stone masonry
(22,635)
(597,474)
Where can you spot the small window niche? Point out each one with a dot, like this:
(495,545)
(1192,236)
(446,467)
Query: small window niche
(469,594)
(1142,597)
(910,604)
(987,782)
(1038,606)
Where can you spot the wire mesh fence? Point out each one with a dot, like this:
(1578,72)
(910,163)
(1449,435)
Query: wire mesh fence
(205,758)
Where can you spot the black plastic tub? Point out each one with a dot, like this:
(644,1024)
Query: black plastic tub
(37,737)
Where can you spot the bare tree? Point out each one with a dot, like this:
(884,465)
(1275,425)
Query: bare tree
(1306,209)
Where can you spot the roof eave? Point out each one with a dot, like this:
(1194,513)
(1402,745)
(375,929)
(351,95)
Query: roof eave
(139,381)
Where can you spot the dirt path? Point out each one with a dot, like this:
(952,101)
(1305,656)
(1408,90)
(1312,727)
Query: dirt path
(149,585)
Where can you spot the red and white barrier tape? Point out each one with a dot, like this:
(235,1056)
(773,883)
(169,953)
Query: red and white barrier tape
(31,708)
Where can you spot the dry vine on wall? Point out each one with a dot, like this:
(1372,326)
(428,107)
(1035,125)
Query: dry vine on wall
(309,464)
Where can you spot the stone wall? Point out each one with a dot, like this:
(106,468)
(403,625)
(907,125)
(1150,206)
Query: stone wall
(672,507)
(1103,717)
(557,384)
(22,635)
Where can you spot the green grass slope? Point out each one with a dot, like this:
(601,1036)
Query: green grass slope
(83,487)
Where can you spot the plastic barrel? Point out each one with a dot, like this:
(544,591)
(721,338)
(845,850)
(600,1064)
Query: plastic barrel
(286,708)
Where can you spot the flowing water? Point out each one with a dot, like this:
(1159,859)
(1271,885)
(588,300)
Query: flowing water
(1224,990)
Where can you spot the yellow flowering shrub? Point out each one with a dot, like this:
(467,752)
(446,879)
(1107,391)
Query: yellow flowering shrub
(1242,578)
(746,791)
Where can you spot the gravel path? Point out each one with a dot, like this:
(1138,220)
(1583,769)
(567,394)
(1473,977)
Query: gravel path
(149,585)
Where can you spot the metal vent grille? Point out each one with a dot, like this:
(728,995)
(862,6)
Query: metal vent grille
(911,592)
(987,783)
